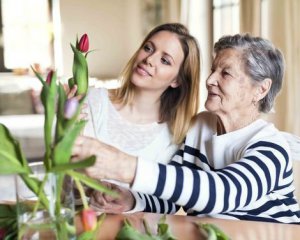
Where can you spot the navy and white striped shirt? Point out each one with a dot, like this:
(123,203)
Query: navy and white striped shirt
(246,174)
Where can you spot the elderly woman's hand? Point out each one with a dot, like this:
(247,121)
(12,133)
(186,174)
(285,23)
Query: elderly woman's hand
(105,203)
(111,163)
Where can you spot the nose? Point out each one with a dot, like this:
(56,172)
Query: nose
(212,79)
(149,60)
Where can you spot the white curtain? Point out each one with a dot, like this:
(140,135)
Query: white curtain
(278,21)
(284,31)
(250,17)
(197,16)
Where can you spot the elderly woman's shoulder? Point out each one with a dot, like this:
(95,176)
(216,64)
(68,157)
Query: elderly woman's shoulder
(205,118)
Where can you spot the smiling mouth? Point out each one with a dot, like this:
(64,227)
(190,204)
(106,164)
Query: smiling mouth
(142,71)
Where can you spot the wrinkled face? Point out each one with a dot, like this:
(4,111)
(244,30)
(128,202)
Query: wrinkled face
(158,62)
(230,90)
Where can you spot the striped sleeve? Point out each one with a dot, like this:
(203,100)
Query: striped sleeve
(265,168)
(150,203)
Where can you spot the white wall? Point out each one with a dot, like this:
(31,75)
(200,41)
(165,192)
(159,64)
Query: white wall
(114,29)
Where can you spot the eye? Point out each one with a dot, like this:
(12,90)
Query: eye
(148,48)
(225,73)
(165,61)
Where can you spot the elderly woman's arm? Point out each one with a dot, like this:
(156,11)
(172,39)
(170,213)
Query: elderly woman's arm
(256,187)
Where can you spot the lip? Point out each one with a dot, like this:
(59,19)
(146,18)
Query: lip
(212,94)
(142,71)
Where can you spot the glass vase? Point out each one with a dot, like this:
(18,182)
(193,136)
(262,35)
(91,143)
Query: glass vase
(49,212)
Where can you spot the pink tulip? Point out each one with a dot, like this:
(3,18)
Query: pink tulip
(2,233)
(89,219)
(83,45)
(49,77)
(71,106)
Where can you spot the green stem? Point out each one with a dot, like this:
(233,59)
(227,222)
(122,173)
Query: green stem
(82,193)
(39,194)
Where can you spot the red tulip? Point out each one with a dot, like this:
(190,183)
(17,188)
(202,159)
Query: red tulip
(89,219)
(49,77)
(83,45)
(2,233)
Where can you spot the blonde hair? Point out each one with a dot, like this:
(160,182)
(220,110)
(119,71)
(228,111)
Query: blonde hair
(178,105)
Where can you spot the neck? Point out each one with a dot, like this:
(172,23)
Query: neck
(144,108)
(226,124)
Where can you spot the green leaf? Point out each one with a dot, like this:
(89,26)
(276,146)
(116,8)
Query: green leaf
(50,108)
(63,149)
(9,164)
(80,71)
(163,230)
(86,236)
(212,231)
(62,97)
(7,211)
(128,232)
(74,165)
(10,147)
(39,76)
(91,182)
(8,220)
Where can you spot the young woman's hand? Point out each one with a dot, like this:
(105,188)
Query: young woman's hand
(111,163)
(70,92)
(83,115)
(105,203)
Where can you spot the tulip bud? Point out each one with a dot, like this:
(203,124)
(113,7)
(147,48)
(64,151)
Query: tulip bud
(49,77)
(2,233)
(71,106)
(83,45)
(89,219)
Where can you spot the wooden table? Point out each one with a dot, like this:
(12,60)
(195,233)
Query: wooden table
(183,227)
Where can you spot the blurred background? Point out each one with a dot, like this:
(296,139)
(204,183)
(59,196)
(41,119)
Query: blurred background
(39,32)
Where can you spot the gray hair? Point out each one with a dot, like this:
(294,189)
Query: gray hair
(261,60)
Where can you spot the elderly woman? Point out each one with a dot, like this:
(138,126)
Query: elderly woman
(233,164)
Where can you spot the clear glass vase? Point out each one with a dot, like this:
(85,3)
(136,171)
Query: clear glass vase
(49,212)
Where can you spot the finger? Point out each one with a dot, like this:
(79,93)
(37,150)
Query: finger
(66,87)
(72,92)
(83,116)
(97,200)
(84,106)
(80,140)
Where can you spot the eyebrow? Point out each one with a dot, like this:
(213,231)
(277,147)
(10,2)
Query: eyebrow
(163,51)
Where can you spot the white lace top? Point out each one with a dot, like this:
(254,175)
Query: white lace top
(148,141)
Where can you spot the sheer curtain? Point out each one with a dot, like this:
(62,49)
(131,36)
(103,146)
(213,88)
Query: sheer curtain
(197,16)
(278,21)
(250,17)
(283,30)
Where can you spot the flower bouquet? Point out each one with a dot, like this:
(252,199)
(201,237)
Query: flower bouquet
(61,127)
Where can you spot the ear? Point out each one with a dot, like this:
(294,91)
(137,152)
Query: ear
(174,84)
(263,89)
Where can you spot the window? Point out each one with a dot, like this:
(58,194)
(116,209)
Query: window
(225,18)
(27,33)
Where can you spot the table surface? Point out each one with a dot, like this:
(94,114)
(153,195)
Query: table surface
(183,227)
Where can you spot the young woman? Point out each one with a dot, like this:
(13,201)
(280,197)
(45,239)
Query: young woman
(150,114)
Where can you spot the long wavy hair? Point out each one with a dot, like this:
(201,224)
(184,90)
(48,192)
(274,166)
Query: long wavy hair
(178,105)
